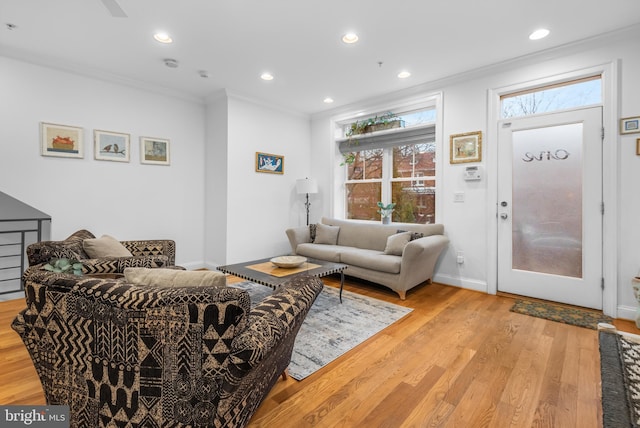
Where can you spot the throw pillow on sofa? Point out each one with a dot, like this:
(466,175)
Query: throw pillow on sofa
(396,243)
(326,234)
(174,277)
(105,246)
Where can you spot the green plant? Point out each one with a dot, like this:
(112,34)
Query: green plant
(64,266)
(348,158)
(361,127)
(386,210)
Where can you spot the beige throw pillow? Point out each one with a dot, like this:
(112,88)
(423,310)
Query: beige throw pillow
(105,246)
(326,234)
(174,277)
(396,243)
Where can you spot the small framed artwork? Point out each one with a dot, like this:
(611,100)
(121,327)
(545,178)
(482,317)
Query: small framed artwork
(638,147)
(154,151)
(630,125)
(61,140)
(111,146)
(267,162)
(466,147)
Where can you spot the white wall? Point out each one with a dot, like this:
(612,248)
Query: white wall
(216,180)
(465,100)
(126,200)
(260,206)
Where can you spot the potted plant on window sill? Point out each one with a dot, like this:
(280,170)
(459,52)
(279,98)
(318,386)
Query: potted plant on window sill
(388,120)
(385,211)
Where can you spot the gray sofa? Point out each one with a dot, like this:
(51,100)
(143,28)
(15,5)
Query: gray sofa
(374,252)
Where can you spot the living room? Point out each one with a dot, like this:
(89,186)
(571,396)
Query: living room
(211,201)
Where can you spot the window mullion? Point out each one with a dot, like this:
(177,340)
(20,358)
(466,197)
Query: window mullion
(387,172)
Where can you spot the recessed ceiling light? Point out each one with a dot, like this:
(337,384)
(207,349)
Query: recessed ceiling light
(539,34)
(266,76)
(163,37)
(404,74)
(328,100)
(350,38)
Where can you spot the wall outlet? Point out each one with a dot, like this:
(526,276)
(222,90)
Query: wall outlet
(460,258)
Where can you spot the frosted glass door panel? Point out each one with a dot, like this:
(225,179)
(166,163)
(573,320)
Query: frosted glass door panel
(547,200)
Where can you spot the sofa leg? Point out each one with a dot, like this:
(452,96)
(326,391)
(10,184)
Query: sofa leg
(402,294)
(284,375)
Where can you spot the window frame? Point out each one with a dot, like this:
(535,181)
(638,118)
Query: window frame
(418,101)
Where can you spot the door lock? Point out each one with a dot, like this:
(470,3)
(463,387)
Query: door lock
(504,216)
(503,203)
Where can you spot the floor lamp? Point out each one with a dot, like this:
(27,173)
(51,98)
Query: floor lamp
(306,186)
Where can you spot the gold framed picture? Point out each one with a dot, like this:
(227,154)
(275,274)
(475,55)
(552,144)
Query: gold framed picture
(630,125)
(270,163)
(465,147)
(61,140)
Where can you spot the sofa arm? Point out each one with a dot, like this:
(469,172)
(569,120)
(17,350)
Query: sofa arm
(153,247)
(297,236)
(420,256)
(273,321)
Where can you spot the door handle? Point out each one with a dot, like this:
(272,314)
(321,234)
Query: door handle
(504,216)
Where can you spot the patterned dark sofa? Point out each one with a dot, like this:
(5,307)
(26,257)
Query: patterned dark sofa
(125,355)
(149,254)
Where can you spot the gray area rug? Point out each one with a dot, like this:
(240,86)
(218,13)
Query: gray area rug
(332,328)
(620,369)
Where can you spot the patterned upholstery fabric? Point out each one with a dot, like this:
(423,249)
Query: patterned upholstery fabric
(146,356)
(149,253)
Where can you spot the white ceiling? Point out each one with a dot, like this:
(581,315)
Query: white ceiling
(298,41)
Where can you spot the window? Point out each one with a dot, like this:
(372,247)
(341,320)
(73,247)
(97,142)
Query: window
(393,165)
(576,93)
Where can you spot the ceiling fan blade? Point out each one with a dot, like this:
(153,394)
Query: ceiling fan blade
(114,8)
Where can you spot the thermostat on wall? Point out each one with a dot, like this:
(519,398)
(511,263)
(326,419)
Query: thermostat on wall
(472,173)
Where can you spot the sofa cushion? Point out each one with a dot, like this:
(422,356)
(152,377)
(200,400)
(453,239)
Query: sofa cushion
(397,242)
(326,234)
(371,259)
(373,235)
(174,277)
(330,253)
(105,246)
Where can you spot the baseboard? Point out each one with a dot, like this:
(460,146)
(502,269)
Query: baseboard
(626,312)
(468,283)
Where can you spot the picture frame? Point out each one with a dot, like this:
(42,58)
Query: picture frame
(465,147)
(61,140)
(155,151)
(111,146)
(630,125)
(269,163)
(638,146)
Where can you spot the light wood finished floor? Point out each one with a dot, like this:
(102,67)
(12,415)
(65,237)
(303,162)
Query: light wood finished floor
(460,359)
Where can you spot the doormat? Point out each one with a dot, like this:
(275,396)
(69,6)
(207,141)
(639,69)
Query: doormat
(568,315)
(619,366)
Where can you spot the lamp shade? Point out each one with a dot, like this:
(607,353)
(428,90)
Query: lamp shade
(306,185)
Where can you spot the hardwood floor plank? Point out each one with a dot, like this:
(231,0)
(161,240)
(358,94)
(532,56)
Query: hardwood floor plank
(460,358)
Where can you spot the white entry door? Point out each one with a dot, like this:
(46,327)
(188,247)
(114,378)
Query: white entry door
(550,207)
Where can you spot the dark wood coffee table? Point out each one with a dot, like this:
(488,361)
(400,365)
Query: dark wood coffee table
(264,272)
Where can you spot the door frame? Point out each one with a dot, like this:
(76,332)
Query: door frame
(610,175)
